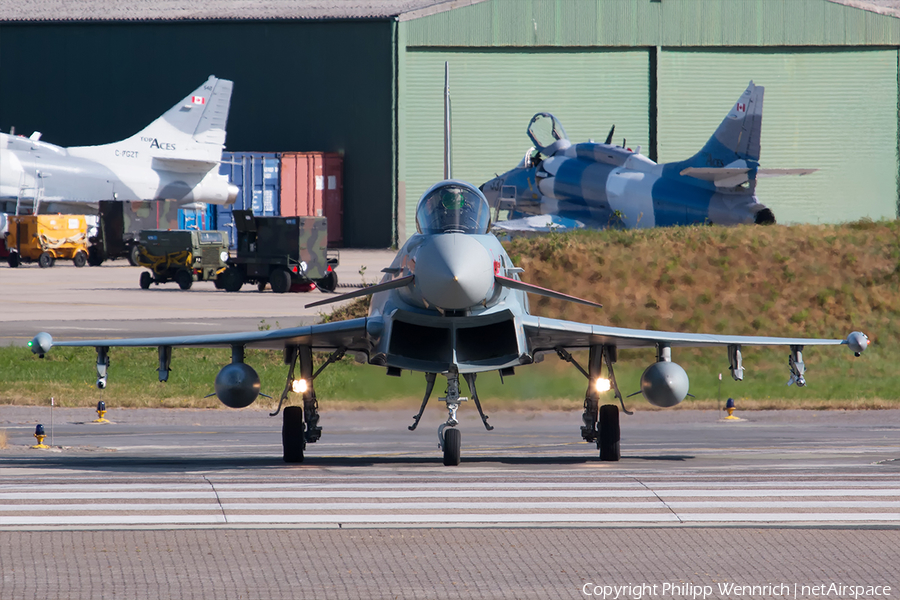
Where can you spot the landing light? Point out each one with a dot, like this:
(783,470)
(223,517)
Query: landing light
(299,386)
(602,385)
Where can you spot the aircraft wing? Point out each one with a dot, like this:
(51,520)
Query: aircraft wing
(547,334)
(782,172)
(349,334)
(537,224)
(735,176)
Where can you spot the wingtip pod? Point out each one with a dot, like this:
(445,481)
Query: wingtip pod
(858,342)
(41,344)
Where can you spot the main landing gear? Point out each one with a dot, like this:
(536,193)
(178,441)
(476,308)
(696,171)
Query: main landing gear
(300,425)
(601,423)
(449,438)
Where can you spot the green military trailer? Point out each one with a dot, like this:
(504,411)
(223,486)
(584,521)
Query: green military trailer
(287,253)
(181,255)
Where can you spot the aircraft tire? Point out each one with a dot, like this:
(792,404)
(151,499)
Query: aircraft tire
(94,257)
(146,280)
(280,280)
(13,260)
(261,285)
(328,283)
(45,260)
(292,439)
(184,279)
(452,446)
(232,279)
(608,441)
(80,258)
(134,255)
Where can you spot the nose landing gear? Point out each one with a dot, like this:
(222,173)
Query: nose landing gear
(451,440)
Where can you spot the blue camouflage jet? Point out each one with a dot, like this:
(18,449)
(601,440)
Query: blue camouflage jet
(560,185)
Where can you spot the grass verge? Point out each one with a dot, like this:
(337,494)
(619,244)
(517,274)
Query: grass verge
(804,281)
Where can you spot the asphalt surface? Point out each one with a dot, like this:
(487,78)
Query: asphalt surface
(198,503)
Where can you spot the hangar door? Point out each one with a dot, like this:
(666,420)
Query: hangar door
(493,97)
(834,110)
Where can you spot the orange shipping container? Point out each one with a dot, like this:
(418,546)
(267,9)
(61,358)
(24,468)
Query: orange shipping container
(312,185)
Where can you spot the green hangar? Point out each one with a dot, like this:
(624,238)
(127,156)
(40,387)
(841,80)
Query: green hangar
(365,78)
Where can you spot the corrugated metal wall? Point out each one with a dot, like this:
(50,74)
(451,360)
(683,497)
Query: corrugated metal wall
(653,23)
(835,110)
(495,94)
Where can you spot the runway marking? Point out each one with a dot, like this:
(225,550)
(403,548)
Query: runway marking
(451,500)
(448,493)
(320,506)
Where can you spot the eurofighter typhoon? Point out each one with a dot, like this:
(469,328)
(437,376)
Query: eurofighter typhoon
(560,185)
(176,158)
(452,306)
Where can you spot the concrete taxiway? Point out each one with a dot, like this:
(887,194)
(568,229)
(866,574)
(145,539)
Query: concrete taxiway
(198,504)
(107,301)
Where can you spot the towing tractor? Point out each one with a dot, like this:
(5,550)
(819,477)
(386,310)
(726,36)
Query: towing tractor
(289,254)
(45,238)
(181,255)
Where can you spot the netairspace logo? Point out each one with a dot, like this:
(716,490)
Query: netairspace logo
(733,590)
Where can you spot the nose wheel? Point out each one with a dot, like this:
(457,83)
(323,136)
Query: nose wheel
(452,443)
(449,438)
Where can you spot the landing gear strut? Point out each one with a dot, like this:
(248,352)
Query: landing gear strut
(301,424)
(451,440)
(601,423)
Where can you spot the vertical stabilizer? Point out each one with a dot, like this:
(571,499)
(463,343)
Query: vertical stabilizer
(201,116)
(192,130)
(737,137)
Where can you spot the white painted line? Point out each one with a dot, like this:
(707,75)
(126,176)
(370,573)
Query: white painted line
(663,517)
(207,495)
(359,506)
(782,517)
(660,517)
(779,492)
(451,493)
(111,519)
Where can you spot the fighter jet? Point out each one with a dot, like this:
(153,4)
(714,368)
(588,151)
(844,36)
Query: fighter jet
(453,304)
(603,185)
(176,158)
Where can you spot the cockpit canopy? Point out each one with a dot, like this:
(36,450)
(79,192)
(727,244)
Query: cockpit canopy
(453,207)
(545,130)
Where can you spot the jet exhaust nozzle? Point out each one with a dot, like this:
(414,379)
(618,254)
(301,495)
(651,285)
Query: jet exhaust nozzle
(765,217)
(233,192)
(664,384)
(237,385)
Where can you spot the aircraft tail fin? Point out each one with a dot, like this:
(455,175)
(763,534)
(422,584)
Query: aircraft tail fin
(188,137)
(737,137)
(200,117)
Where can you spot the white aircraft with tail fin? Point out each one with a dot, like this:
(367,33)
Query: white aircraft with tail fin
(175,158)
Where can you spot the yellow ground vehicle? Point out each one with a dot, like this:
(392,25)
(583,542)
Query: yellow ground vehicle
(44,238)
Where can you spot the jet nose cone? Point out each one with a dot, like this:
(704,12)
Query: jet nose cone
(454,271)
